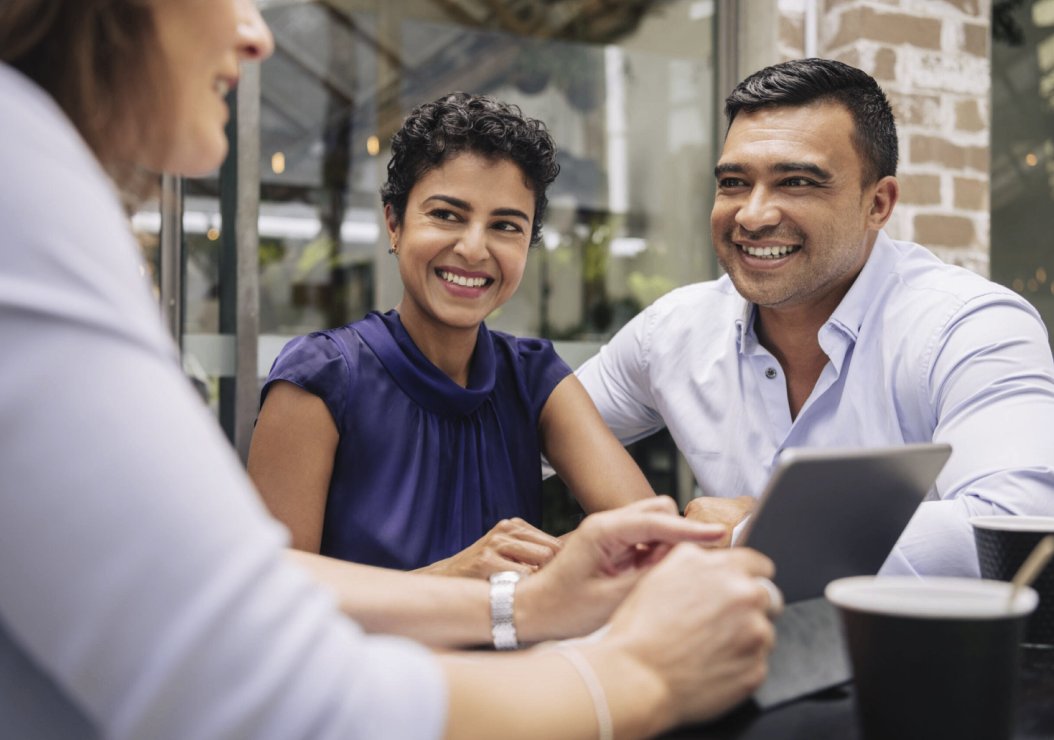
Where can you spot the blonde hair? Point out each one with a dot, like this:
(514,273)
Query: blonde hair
(99,60)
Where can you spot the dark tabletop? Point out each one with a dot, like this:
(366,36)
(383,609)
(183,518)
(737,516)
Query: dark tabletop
(830,714)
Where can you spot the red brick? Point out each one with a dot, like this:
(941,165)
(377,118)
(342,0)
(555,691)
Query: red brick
(975,39)
(889,28)
(920,190)
(934,229)
(885,64)
(968,116)
(971,194)
(936,150)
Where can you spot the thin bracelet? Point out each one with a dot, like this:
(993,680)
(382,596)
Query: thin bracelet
(596,691)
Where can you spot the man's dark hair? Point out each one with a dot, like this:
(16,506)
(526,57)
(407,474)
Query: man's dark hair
(460,122)
(805,81)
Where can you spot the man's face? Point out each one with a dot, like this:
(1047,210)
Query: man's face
(792,225)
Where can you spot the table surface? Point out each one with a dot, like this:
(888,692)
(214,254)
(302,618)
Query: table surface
(830,714)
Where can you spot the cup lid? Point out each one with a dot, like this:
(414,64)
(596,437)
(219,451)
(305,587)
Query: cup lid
(937,598)
(1014,523)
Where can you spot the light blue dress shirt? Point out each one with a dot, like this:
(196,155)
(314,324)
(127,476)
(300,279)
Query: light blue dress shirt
(918,351)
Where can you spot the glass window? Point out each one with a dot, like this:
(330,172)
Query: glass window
(1022,185)
(627,93)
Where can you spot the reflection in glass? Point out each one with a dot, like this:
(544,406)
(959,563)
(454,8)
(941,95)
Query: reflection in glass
(1022,184)
(627,94)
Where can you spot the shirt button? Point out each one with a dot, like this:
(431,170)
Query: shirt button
(770,373)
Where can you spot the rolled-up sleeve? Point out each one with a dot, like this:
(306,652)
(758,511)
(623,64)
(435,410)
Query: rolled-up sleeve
(616,378)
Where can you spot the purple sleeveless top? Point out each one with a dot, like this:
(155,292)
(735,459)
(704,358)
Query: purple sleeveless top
(423,467)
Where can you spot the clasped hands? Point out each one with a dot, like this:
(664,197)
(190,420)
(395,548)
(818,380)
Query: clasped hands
(511,544)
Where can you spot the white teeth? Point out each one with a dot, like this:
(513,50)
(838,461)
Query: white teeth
(465,282)
(769,252)
(222,87)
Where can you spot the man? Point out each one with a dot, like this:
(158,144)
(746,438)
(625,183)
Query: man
(827,333)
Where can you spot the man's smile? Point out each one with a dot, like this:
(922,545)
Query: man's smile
(769,252)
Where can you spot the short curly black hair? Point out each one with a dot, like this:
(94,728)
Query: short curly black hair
(461,122)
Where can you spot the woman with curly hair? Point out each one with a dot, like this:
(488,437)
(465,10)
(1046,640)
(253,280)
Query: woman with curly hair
(412,438)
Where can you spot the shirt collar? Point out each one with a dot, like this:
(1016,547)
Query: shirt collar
(849,316)
(854,307)
(745,336)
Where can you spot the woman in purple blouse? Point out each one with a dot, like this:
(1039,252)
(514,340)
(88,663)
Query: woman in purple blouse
(412,438)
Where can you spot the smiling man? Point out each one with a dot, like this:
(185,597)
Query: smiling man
(825,332)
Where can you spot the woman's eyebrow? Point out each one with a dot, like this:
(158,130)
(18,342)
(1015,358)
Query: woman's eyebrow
(514,212)
(466,206)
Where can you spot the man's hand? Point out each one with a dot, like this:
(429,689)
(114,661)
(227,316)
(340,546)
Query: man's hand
(512,544)
(727,512)
(609,552)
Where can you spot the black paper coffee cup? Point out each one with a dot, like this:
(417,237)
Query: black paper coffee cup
(933,658)
(1003,543)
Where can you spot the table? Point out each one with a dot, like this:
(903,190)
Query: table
(830,714)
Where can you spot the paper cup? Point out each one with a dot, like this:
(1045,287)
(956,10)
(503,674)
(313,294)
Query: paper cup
(933,658)
(1003,543)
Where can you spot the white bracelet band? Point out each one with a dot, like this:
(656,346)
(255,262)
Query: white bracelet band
(596,691)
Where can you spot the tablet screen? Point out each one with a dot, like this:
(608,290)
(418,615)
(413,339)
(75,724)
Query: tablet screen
(831,513)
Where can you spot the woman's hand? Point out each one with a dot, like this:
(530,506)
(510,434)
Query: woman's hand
(512,544)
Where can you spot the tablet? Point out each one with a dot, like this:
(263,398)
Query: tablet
(831,513)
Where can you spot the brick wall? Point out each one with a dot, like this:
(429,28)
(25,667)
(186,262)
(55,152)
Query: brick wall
(932,59)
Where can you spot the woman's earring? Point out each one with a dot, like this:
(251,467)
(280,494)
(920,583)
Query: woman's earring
(394,248)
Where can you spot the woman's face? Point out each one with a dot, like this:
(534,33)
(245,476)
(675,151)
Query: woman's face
(462,244)
(202,45)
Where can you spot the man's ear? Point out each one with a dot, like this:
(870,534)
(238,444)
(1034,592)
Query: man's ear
(883,198)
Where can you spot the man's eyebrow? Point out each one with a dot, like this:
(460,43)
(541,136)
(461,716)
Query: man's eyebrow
(815,170)
(728,168)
